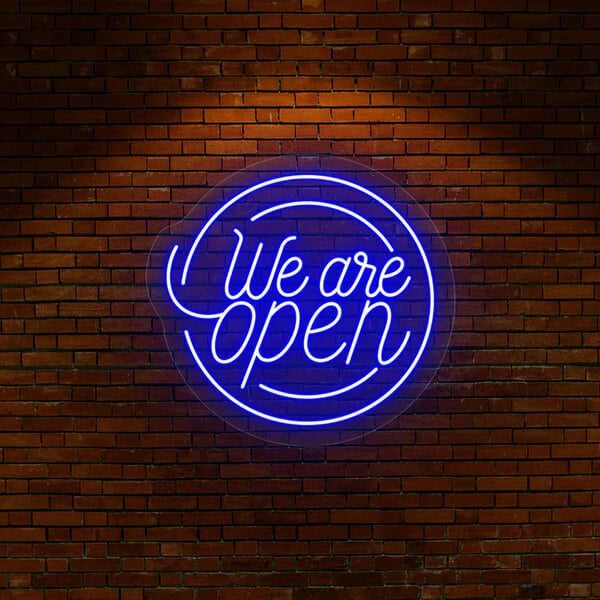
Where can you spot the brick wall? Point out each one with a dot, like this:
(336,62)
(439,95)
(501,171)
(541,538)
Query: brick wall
(115,483)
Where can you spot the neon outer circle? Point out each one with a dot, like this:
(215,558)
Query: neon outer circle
(270,182)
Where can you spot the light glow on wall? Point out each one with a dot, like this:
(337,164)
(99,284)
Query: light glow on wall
(316,275)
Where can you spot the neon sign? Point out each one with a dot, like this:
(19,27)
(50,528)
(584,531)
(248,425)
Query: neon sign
(306,300)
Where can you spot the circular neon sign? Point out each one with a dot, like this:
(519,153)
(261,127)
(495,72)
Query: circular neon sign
(307,300)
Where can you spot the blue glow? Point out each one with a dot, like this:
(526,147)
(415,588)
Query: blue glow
(284,274)
(275,308)
(362,260)
(219,323)
(246,288)
(269,182)
(310,331)
(328,394)
(341,209)
(181,307)
(258,413)
(388,323)
(284,269)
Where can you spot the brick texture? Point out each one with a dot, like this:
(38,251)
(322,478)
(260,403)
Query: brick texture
(115,483)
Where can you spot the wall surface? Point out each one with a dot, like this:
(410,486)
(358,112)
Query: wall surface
(115,482)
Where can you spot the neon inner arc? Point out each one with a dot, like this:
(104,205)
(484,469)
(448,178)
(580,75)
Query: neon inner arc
(282,277)
(350,213)
(276,180)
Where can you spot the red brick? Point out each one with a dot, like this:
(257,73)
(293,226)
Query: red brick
(229,115)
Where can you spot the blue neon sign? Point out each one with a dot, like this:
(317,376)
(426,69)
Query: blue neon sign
(306,300)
